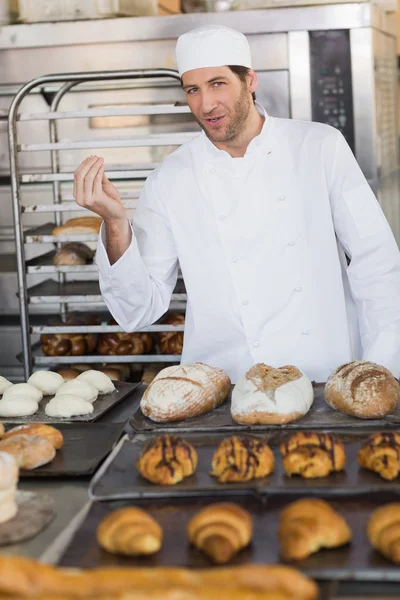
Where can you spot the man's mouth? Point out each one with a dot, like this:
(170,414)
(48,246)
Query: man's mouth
(213,121)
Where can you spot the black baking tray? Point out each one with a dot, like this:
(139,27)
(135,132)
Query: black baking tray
(103,404)
(319,416)
(83,450)
(356,560)
(118,477)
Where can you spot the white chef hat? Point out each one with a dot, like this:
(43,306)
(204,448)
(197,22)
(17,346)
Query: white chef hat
(212,46)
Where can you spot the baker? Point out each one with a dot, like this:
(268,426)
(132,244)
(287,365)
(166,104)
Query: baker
(286,255)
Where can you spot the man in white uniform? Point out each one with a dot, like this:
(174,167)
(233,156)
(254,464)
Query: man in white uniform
(260,212)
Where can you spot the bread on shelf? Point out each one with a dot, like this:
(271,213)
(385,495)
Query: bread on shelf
(129,531)
(363,389)
(383,531)
(311,454)
(73,254)
(309,524)
(221,531)
(381,453)
(166,460)
(121,343)
(70,344)
(265,395)
(171,342)
(52,434)
(242,459)
(183,391)
(30,451)
(79,226)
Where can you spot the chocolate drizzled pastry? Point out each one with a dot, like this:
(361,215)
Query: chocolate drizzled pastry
(242,459)
(381,453)
(312,455)
(167,460)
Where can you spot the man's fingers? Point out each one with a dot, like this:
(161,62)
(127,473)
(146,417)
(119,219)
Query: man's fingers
(79,177)
(88,183)
(97,184)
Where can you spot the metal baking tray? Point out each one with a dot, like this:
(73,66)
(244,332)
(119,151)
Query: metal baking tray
(319,416)
(118,478)
(353,561)
(103,404)
(83,450)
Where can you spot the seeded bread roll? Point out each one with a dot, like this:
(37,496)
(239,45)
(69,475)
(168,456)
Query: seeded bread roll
(363,389)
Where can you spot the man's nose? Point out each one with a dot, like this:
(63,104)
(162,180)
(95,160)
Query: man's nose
(208,102)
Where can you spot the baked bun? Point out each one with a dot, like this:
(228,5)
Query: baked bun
(70,344)
(52,434)
(79,226)
(25,390)
(18,406)
(166,460)
(383,531)
(99,380)
(271,396)
(68,374)
(309,524)
(4,384)
(73,254)
(381,453)
(129,531)
(30,451)
(221,531)
(171,342)
(312,455)
(363,389)
(121,343)
(242,459)
(185,391)
(68,405)
(47,382)
(78,387)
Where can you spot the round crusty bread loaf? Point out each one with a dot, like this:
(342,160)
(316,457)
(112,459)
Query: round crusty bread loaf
(362,389)
(271,396)
(183,391)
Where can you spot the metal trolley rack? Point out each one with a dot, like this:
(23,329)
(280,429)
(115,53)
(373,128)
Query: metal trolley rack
(60,291)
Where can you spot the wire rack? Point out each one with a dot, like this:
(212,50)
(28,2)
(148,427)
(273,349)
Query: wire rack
(58,290)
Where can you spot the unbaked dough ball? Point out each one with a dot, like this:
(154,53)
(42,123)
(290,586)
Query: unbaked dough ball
(23,389)
(47,382)
(80,388)
(18,406)
(67,405)
(99,380)
(4,384)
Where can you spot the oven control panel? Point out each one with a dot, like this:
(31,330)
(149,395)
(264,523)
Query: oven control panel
(331,87)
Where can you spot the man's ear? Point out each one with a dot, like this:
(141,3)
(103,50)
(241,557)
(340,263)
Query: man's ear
(253,81)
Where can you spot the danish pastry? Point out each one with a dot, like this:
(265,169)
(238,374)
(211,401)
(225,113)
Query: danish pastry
(381,453)
(242,459)
(312,455)
(166,460)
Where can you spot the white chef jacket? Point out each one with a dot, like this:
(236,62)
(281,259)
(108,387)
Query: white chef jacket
(262,242)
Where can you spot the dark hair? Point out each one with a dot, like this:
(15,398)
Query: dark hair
(242,73)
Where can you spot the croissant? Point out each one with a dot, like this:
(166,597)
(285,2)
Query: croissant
(129,531)
(312,455)
(166,460)
(381,453)
(309,524)
(383,531)
(242,459)
(221,530)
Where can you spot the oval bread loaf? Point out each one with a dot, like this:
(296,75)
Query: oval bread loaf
(185,391)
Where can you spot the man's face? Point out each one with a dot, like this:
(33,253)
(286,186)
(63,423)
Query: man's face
(219,101)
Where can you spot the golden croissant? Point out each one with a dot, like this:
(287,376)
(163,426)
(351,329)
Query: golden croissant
(384,531)
(309,524)
(242,459)
(312,454)
(130,531)
(221,530)
(381,453)
(166,460)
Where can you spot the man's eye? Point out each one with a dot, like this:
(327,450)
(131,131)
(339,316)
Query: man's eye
(218,83)
(191,90)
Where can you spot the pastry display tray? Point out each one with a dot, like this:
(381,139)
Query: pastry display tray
(319,416)
(83,450)
(103,404)
(356,560)
(118,477)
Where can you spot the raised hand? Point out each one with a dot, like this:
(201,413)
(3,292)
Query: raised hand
(95,192)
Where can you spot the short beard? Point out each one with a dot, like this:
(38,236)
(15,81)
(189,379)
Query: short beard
(240,113)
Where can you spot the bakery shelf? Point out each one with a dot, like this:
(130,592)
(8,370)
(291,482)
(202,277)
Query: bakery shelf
(43,235)
(70,206)
(51,292)
(112,175)
(146,109)
(39,329)
(40,360)
(160,139)
(43,264)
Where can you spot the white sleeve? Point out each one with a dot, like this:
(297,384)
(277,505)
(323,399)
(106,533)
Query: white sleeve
(137,288)
(374,270)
